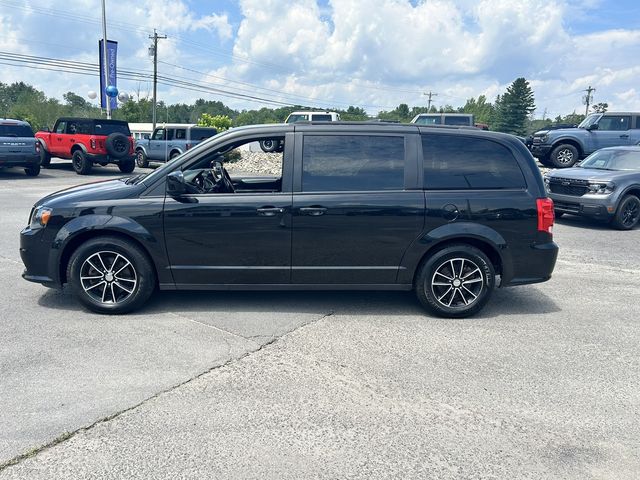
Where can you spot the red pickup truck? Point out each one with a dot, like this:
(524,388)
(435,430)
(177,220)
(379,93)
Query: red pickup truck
(86,141)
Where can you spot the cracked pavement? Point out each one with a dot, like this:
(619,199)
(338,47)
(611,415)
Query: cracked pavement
(543,384)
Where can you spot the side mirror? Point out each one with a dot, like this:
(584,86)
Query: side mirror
(175,184)
(593,127)
(146,136)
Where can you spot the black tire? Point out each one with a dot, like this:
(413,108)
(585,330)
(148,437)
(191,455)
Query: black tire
(127,166)
(545,162)
(141,159)
(270,145)
(32,171)
(627,214)
(173,155)
(564,156)
(117,266)
(45,157)
(443,290)
(117,145)
(81,164)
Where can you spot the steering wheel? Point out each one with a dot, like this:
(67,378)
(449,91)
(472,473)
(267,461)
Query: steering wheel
(222,177)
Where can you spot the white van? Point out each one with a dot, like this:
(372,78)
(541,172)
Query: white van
(312,117)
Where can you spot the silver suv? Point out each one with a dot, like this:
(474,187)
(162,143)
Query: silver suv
(18,146)
(562,148)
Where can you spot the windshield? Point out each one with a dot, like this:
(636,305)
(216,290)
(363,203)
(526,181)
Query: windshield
(590,120)
(15,131)
(613,160)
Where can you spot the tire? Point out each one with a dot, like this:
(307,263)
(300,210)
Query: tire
(141,159)
(173,155)
(558,214)
(270,145)
(81,164)
(564,156)
(45,157)
(444,292)
(117,145)
(124,285)
(32,171)
(627,214)
(127,166)
(545,162)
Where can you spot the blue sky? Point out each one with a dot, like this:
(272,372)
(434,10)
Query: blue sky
(374,54)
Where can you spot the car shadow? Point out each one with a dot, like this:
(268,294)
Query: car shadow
(17,173)
(582,222)
(66,166)
(505,302)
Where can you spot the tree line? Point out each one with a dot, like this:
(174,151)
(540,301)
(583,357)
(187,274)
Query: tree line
(511,112)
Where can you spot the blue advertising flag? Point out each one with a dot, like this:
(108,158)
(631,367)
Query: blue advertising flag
(112,54)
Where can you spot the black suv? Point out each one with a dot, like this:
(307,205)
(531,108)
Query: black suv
(442,210)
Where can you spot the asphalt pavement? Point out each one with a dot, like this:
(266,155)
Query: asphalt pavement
(543,384)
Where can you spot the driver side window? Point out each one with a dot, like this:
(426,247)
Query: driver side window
(250,166)
(159,134)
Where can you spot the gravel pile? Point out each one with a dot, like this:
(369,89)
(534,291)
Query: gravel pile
(258,163)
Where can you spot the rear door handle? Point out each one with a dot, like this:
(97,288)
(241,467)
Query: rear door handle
(269,211)
(313,211)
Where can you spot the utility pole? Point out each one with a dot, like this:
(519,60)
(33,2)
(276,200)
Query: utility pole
(430,94)
(587,98)
(155,39)
(105,60)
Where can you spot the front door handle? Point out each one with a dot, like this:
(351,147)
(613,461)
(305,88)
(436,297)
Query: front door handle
(624,135)
(269,211)
(313,211)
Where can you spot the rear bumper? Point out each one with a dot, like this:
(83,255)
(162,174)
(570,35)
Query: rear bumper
(19,160)
(103,158)
(539,266)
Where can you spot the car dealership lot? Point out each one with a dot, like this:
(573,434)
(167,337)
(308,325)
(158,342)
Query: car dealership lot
(542,384)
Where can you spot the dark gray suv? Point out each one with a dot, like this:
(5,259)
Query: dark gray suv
(606,185)
(18,146)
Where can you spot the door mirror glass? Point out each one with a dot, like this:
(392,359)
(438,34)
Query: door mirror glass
(176,184)
(593,127)
(146,136)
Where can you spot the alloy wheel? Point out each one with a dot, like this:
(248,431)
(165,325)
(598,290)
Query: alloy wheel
(108,277)
(457,283)
(630,213)
(565,156)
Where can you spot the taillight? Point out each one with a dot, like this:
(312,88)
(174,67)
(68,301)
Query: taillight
(546,216)
(188,146)
(93,143)
(37,147)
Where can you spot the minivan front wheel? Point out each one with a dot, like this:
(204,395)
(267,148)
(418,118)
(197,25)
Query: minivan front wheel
(109,275)
(455,282)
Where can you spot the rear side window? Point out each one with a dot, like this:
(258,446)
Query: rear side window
(352,163)
(321,118)
(181,134)
(18,131)
(453,162)
(107,128)
(202,133)
(638,121)
(457,121)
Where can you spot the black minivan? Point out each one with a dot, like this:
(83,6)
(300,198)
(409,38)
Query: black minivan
(451,212)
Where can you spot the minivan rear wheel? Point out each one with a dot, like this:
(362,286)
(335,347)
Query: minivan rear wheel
(109,275)
(455,282)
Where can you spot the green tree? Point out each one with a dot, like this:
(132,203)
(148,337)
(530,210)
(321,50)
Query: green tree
(220,122)
(514,108)
(600,107)
(481,109)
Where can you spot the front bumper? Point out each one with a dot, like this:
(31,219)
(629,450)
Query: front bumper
(595,206)
(540,150)
(35,253)
(20,160)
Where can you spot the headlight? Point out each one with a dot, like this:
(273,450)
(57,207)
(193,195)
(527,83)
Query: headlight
(544,138)
(601,188)
(40,217)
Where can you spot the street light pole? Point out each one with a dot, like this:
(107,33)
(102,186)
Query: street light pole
(105,60)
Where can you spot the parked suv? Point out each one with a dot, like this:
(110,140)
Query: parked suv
(606,186)
(169,141)
(18,146)
(443,211)
(87,141)
(306,116)
(562,148)
(458,119)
